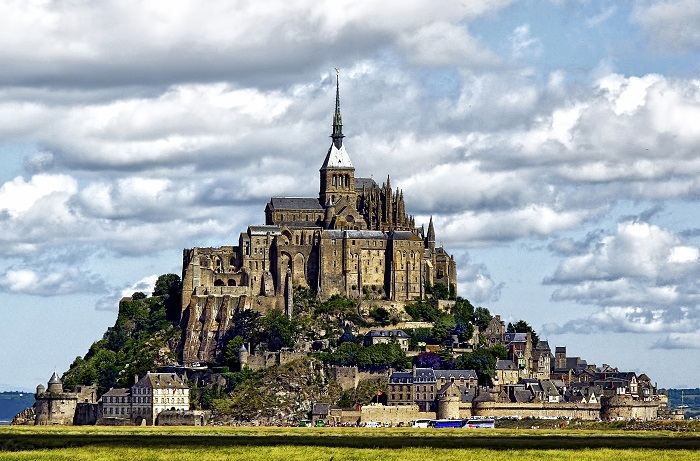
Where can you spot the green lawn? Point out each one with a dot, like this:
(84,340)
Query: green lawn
(291,444)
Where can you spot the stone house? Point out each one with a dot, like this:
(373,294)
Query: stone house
(116,403)
(505,372)
(386,337)
(155,393)
(495,330)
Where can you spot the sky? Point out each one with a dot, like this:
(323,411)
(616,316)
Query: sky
(553,142)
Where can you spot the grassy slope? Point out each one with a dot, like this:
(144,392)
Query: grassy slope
(99,443)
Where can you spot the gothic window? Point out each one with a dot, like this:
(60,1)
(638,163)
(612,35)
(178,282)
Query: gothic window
(297,240)
(333,180)
(347,181)
(232,261)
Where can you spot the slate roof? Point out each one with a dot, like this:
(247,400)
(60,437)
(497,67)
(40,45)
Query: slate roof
(522,396)
(162,381)
(506,365)
(295,203)
(117,392)
(367,183)
(54,379)
(401,377)
(404,235)
(515,337)
(456,374)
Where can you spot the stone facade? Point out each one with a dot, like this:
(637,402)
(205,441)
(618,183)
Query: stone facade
(355,239)
(394,415)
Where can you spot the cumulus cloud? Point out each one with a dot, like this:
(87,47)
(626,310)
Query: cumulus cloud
(643,278)
(111,301)
(50,282)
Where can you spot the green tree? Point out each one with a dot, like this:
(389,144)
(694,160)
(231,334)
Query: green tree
(229,356)
(278,330)
(440,291)
(381,315)
(169,287)
(482,317)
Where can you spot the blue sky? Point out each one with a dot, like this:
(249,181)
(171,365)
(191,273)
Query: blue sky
(553,142)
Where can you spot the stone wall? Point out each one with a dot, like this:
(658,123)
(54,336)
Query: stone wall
(624,407)
(393,415)
(349,377)
(182,418)
(259,361)
(86,414)
(589,411)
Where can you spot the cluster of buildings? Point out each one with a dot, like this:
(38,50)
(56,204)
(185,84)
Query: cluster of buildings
(157,398)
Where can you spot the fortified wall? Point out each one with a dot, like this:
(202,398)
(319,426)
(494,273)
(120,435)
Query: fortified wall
(538,410)
(394,415)
(348,378)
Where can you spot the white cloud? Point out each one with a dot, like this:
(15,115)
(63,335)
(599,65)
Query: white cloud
(670,25)
(111,301)
(48,282)
(642,277)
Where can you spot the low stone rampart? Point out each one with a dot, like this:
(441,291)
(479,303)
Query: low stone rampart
(537,410)
(394,415)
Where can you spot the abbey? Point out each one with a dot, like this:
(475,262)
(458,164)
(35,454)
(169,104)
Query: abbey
(355,239)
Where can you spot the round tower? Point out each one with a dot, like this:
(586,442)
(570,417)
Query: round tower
(448,403)
(55,384)
(40,389)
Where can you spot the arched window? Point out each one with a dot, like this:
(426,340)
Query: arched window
(218,283)
(231,283)
(347,180)
(333,180)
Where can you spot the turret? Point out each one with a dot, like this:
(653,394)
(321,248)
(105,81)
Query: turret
(55,384)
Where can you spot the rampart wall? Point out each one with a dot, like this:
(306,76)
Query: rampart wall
(394,415)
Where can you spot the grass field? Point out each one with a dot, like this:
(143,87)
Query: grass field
(291,444)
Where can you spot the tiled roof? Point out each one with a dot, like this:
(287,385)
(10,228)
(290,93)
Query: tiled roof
(456,374)
(117,392)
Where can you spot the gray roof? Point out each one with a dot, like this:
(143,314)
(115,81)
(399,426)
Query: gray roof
(515,337)
(506,365)
(424,375)
(387,333)
(404,235)
(367,183)
(456,374)
(522,396)
(401,377)
(295,203)
(54,379)
(117,392)
(321,408)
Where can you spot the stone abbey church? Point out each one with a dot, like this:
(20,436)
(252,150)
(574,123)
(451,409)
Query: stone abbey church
(355,239)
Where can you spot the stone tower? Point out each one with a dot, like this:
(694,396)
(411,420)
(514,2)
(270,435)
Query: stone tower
(337,172)
(448,403)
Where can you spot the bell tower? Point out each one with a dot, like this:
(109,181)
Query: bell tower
(337,172)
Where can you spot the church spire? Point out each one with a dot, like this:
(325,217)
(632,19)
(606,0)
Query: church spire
(337,118)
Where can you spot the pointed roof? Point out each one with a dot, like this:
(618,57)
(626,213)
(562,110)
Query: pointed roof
(337,156)
(55,379)
(431,231)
